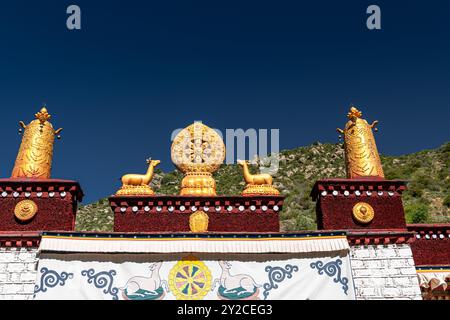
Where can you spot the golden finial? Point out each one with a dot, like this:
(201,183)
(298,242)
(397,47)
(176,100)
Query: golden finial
(257,184)
(354,114)
(35,156)
(198,151)
(361,153)
(43,115)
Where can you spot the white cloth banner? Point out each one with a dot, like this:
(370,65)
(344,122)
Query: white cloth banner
(196,276)
(254,244)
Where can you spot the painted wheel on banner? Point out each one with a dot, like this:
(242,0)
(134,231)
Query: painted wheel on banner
(190,279)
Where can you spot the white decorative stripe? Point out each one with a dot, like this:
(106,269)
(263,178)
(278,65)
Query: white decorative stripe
(200,245)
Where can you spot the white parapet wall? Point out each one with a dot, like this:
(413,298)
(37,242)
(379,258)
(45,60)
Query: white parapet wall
(383,272)
(379,272)
(17,273)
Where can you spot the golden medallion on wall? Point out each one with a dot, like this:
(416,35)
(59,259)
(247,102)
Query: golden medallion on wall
(25,210)
(198,222)
(363,212)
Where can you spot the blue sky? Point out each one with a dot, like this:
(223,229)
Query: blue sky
(137,70)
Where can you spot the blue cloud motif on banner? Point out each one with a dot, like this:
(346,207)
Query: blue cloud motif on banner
(101,280)
(332,269)
(277,275)
(51,279)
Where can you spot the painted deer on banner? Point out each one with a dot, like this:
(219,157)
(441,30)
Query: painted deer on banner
(150,285)
(231,283)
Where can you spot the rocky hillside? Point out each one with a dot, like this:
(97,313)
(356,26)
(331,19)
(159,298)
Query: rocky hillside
(427,200)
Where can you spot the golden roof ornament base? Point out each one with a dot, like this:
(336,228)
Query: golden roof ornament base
(135,191)
(361,153)
(260,190)
(198,184)
(198,151)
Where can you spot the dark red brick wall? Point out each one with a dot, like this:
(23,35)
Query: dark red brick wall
(177,221)
(55,213)
(431,252)
(432,244)
(334,208)
(337,212)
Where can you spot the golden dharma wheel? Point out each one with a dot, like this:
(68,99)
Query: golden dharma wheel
(198,151)
(198,148)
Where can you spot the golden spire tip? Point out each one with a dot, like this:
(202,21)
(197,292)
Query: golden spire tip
(43,115)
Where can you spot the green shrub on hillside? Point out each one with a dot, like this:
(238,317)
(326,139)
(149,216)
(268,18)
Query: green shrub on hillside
(417,213)
(447,201)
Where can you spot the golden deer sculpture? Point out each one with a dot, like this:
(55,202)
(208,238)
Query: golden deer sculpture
(255,179)
(257,184)
(138,184)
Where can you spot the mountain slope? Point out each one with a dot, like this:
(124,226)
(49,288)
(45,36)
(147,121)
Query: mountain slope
(427,199)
